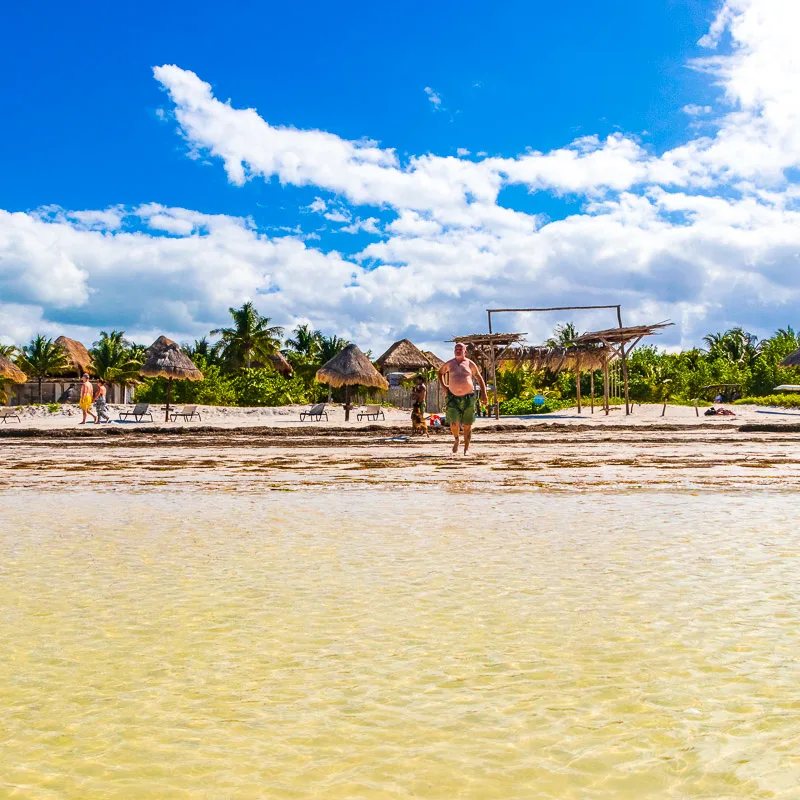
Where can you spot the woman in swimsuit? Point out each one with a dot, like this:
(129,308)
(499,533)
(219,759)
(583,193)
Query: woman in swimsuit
(85,403)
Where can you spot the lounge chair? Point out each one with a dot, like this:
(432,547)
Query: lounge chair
(140,411)
(315,412)
(7,413)
(187,413)
(371,412)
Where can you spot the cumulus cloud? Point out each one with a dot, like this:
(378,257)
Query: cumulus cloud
(706,233)
(434,98)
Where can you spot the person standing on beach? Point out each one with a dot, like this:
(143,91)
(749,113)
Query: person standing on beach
(461,375)
(85,402)
(100,402)
(419,395)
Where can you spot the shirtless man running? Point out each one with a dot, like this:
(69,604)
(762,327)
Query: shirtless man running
(460,388)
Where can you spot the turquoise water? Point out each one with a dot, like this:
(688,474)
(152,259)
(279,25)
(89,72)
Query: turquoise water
(399,644)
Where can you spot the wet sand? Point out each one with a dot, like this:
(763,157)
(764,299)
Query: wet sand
(503,457)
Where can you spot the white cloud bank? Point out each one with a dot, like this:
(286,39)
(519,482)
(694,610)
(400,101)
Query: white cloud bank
(707,233)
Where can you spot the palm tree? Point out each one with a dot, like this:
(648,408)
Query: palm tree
(563,336)
(330,346)
(41,357)
(9,351)
(111,358)
(250,337)
(306,342)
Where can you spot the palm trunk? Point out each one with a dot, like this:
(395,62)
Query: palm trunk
(40,390)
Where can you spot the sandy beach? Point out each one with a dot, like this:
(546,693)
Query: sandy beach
(255,449)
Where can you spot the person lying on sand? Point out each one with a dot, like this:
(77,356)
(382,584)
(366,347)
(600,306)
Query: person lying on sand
(461,375)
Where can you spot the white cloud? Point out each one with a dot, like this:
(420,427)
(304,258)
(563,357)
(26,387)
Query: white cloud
(461,152)
(694,110)
(318,206)
(369,225)
(337,216)
(707,233)
(434,98)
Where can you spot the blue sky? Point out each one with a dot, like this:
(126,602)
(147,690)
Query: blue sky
(88,127)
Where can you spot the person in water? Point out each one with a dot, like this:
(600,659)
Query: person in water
(458,377)
(85,402)
(100,402)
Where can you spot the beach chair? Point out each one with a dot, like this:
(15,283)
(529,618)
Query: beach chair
(371,412)
(186,414)
(315,412)
(140,411)
(7,413)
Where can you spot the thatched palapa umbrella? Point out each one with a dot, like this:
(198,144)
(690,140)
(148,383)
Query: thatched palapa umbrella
(164,359)
(9,371)
(350,368)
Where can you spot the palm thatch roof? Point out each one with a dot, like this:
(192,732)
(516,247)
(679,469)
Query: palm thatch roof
(433,358)
(792,360)
(350,368)
(403,356)
(280,364)
(78,358)
(164,359)
(9,371)
(557,359)
(622,335)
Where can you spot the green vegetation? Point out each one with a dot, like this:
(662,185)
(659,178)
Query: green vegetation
(734,357)
(238,369)
(40,358)
(54,408)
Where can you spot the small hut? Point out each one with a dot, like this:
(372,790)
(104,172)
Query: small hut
(792,360)
(403,357)
(78,358)
(165,359)
(350,368)
(433,358)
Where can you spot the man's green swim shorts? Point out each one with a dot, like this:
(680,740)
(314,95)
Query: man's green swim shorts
(461,408)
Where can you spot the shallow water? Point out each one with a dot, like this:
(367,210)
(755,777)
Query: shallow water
(359,645)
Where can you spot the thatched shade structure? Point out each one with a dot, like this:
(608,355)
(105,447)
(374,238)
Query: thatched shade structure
(351,368)
(9,371)
(792,360)
(280,364)
(403,356)
(164,359)
(78,358)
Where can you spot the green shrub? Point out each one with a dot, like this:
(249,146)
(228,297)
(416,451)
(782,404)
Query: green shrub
(261,387)
(53,408)
(524,405)
(778,400)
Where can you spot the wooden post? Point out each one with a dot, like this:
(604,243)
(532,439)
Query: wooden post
(578,386)
(494,371)
(696,409)
(605,385)
(591,388)
(169,394)
(347,403)
(624,365)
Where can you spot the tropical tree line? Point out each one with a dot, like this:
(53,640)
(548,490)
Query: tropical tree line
(238,367)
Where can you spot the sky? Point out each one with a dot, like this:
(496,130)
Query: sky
(381,172)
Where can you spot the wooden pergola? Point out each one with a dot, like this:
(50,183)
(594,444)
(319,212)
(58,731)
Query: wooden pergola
(618,343)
